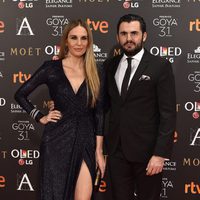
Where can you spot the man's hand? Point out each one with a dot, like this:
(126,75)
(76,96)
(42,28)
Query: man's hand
(51,105)
(155,165)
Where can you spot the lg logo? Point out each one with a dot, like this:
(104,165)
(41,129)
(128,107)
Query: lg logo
(2,102)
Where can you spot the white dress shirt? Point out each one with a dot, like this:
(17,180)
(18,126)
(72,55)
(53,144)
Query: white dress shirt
(123,64)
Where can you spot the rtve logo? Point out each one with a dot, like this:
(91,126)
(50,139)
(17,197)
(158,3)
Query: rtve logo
(194,25)
(192,188)
(20,77)
(101,26)
(2,26)
(2,182)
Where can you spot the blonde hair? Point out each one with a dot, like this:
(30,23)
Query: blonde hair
(91,73)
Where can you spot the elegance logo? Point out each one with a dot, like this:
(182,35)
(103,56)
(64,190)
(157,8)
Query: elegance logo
(194,57)
(166,3)
(94,1)
(99,55)
(59,4)
(194,1)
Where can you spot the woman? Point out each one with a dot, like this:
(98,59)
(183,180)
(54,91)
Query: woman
(72,139)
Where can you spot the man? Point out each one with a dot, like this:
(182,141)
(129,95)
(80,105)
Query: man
(141,91)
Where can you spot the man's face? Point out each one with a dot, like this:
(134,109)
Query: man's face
(131,38)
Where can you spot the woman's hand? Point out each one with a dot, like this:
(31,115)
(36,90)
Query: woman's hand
(53,116)
(101,162)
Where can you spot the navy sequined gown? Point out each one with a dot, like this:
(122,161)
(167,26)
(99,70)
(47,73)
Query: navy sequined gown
(72,139)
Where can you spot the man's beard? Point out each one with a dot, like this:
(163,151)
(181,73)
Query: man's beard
(134,51)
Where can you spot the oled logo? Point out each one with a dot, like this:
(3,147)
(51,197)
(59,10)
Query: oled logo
(168,52)
(195,78)
(2,102)
(166,186)
(194,57)
(165,25)
(166,4)
(2,27)
(52,50)
(194,137)
(192,188)
(191,162)
(57,23)
(2,182)
(23,27)
(101,26)
(23,183)
(99,55)
(194,108)
(58,4)
(20,77)
(28,51)
(23,129)
(194,25)
(25,157)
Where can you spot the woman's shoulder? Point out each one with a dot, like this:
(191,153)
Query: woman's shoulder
(51,64)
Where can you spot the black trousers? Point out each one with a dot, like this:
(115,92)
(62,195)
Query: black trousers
(129,180)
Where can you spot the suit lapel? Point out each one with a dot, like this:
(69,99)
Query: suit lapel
(142,66)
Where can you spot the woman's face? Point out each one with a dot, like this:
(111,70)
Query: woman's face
(77,41)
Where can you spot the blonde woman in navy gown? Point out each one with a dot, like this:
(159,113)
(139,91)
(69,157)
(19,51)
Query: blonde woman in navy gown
(71,145)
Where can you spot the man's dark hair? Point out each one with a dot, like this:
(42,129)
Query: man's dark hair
(131,17)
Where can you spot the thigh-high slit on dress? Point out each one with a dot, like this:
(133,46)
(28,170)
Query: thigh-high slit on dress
(70,141)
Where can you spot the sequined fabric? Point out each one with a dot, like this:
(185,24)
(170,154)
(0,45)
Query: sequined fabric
(71,140)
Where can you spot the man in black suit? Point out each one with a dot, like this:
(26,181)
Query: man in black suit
(141,91)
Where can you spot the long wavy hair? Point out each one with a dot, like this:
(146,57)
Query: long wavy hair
(91,73)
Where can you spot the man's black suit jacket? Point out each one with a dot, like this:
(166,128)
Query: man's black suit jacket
(145,119)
